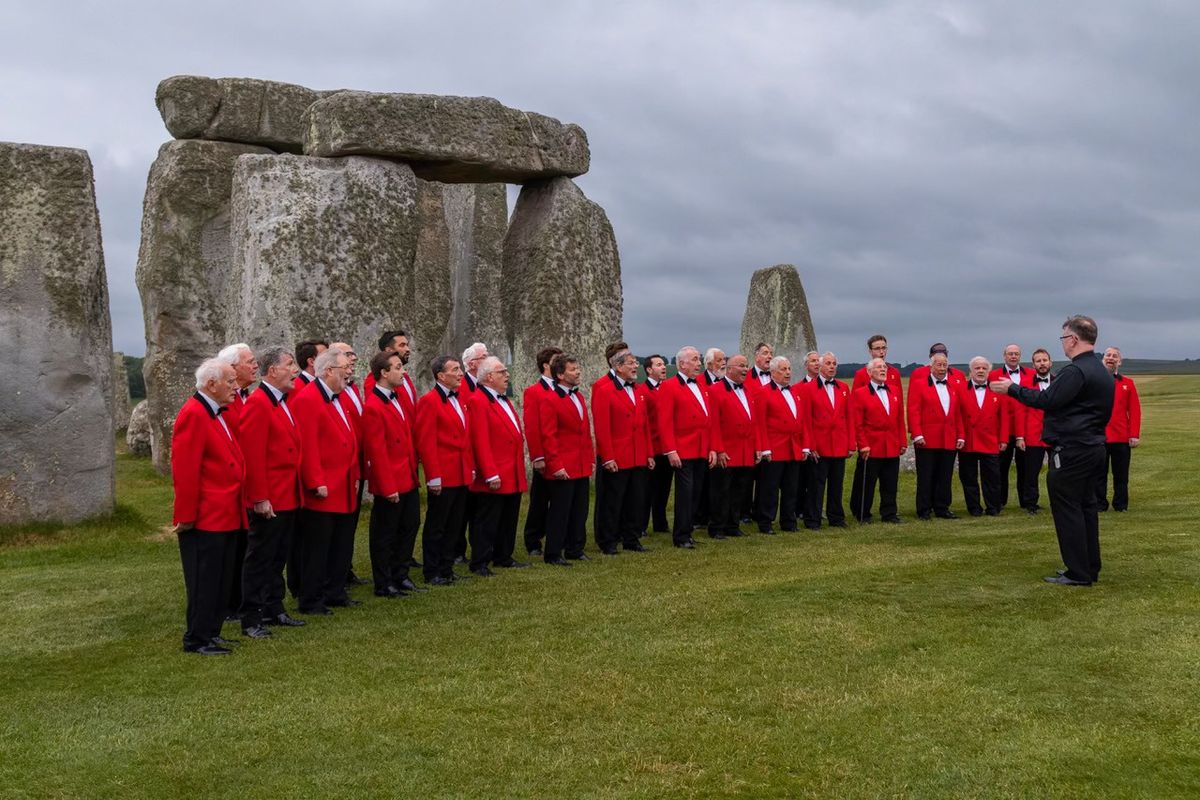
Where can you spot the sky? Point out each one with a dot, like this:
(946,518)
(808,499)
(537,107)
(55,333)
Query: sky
(968,172)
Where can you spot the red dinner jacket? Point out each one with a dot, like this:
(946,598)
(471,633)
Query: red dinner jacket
(882,431)
(784,435)
(443,440)
(1029,420)
(683,426)
(829,432)
(388,441)
(622,425)
(955,378)
(536,394)
(861,379)
(271,443)
(233,413)
(566,438)
(986,426)
(651,394)
(207,469)
(407,396)
(736,434)
(1014,408)
(941,429)
(1126,420)
(329,451)
(498,444)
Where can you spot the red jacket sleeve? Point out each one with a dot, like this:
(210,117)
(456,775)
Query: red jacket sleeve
(187,452)
(548,418)
(481,442)
(1135,412)
(666,416)
(255,429)
(427,445)
(381,473)
(601,422)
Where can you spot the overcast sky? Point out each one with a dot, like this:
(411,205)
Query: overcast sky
(968,172)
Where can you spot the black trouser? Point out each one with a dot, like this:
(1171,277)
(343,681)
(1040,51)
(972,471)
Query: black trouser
(1007,457)
(728,489)
(619,507)
(535,518)
(204,558)
(236,555)
(657,495)
(778,493)
(1071,485)
(976,468)
(1117,457)
(751,501)
(687,497)
(494,528)
(803,484)
(935,479)
(295,557)
(468,521)
(327,548)
(350,576)
(700,514)
(828,474)
(392,537)
(566,519)
(262,575)
(1028,491)
(862,494)
(444,517)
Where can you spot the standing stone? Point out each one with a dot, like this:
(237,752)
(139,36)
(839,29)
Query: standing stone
(137,435)
(562,279)
(242,110)
(328,248)
(121,404)
(56,424)
(183,272)
(777,313)
(477,220)
(450,139)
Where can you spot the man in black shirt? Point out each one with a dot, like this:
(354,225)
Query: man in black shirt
(1077,406)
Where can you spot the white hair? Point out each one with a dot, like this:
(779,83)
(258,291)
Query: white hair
(487,367)
(327,359)
(810,354)
(213,369)
(683,351)
(619,358)
(232,354)
(776,361)
(978,359)
(473,351)
(710,355)
(871,363)
(828,355)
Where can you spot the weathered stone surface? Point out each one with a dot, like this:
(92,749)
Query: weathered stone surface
(477,220)
(137,434)
(121,405)
(333,248)
(244,110)
(183,272)
(562,279)
(56,425)
(451,139)
(777,313)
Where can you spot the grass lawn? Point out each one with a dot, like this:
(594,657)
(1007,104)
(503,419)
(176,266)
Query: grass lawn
(928,660)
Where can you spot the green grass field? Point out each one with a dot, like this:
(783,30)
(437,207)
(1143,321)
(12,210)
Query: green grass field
(923,661)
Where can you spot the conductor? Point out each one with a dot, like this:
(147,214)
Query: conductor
(1077,405)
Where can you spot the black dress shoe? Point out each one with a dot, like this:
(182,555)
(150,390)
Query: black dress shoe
(816,527)
(348,602)
(687,545)
(317,611)
(720,537)
(839,524)
(536,552)
(354,580)
(946,515)
(993,512)
(767,532)
(894,520)
(439,581)
(390,592)
(513,565)
(580,557)
(408,586)
(1063,571)
(734,532)
(924,515)
(976,513)
(220,641)
(662,530)
(483,572)
(636,548)
(1063,580)
(558,562)
(256,632)
(285,620)
(208,650)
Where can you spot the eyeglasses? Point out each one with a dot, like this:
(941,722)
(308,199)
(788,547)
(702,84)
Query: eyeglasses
(1068,336)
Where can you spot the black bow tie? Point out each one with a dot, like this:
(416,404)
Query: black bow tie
(244,393)
(1014,372)
(573,391)
(1042,380)
(980,386)
(827,383)
(880,389)
(689,380)
(333,396)
(783,387)
(451,394)
(221,410)
(941,382)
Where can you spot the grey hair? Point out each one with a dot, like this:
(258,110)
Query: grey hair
(273,357)
(871,363)
(327,359)
(473,351)
(683,351)
(487,367)
(233,353)
(619,358)
(828,354)
(979,358)
(711,353)
(776,361)
(210,370)
(811,353)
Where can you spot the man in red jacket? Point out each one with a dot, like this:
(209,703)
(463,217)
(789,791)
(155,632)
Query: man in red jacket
(955,378)
(1124,432)
(783,430)
(1011,370)
(208,471)
(738,442)
(830,443)
(444,448)
(391,456)
(329,475)
(499,448)
(685,432)
(877,347)
(985,423)
(877,419)
(936,425)
(270,441)
(396,341)
(245,369)
(539,490)
(1029,434)
(625,455)
(658,491)
(352,404)
(570,458)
